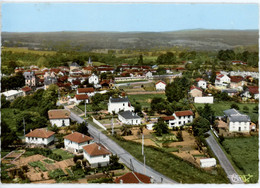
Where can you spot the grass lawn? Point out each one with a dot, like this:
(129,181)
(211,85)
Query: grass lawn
(244,153)
(102,105)
(64,154)
(144,99)
(171,166)
(225,105)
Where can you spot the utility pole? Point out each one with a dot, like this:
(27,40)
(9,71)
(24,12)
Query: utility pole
(142,144)
(23,126)
(112,125)
(144,166)
(85,109)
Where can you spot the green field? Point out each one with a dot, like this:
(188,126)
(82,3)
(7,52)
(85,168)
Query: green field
(244,153)
(225,105)
(144,99)
(65,155)
(172,166)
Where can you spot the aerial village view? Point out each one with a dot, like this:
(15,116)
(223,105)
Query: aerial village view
(120,98)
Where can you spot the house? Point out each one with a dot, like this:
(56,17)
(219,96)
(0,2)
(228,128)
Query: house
(73,66)
(76,72)
(12,94)
(30,79)
(149,75)
(40,136)
(129,118)
(237,122)
(133,177)
(160,85)
(79,98)
(222,81)
(251,92)
(119,104)
(107,83)
(195,91)
(59,117)
(87,70)
(237,82)
(49,78)
(87,91)
(206,163)
(75,141)
(93,79)
(26,90)
(179,118)
(201,83)
(230,92)
(96,154)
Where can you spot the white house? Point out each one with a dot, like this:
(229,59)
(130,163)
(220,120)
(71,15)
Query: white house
(75,141)
(160,85)
(222,81)
(59,117)
(79,98)
(149,74)
(96,154)
(40,136)
(90,91)
(93,79)
(12,94)
(205,163)
(179,118)
(119,104)
(129,118)
(201,83)
(237,122)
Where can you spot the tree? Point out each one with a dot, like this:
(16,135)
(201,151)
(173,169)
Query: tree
(179,135)
(245,109)
(126,130)
(7,135)
(208,113)
(168,58)
(235,106)
(140,60)
(97,98)
(83,128)
(161,128)
(255,109)
(103,76)
(161,70)
(4,103)
(158,104)
(200,126)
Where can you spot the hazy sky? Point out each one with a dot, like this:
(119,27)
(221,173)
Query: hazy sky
(41,17)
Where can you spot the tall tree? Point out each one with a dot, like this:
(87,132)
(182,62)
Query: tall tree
(161,128)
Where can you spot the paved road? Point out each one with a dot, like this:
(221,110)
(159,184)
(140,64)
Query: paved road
(125,157)
(223,160)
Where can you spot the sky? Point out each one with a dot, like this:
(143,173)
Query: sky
(47,17)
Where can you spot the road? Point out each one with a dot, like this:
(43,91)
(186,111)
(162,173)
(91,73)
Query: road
(223,160)
(125,157)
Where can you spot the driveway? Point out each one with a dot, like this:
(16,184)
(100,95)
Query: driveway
(223,160)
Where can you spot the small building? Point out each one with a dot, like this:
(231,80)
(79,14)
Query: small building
(210,162)
(222,81)
(149,75)
(237,122)
(119,104)
(237,82)
(49,78)
(73,66)
(93,79)
(41,136)
(96,154)
(160,85)
(133,177)
(201,83)
(12,94)
(204,100)
(75,141)
(59,117)
(26,90)
(129,118)
(251,92)
(87,91)
(230,92)
(195,91)
(79,98)
(179,118)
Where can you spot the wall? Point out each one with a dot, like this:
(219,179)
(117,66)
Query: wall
(234,126)
(33,140)
(116,107)
(94,160)
(208,162)
(180,121)
(98,123)
(58,122)
(129,121)
(208,100)
(160,86)
(72,146)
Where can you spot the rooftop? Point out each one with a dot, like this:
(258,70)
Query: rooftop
(231,112)
(59,114)
(81,97)
(133,177)
(118,100)
(86,90)
(77,137)
(40,133)
(184,113)
(128,115)
(96,149)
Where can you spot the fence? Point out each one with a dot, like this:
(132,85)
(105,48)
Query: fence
(98,123)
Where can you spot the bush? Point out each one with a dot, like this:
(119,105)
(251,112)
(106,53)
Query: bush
(57,173)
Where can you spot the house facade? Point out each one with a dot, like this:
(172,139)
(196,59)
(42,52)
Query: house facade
(237,82)
(79,98)
(93,79)
(195,91)
(59,117)
(96,154)
(41,136)
(236,121)
(201,83)
(12,94)
(129,118)
(160,85)
(90,91)
(179,118)
(75,141)
(222,81)
(251,92)
(30,79)
(119,104)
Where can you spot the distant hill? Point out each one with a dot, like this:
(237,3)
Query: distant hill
(197,39)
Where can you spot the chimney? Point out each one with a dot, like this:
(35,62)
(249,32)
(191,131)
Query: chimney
(83,135)
(121,181)
(47,129)
(30,130)
(99,147)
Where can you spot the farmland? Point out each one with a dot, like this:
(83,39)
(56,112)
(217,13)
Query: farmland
(244,153)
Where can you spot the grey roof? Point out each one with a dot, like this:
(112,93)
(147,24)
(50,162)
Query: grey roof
(231,112)
(50,80)
(119,100)
(129,115)
(239,118)
(229,91)
(74,64)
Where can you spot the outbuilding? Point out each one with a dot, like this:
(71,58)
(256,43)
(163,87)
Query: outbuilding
(210,162)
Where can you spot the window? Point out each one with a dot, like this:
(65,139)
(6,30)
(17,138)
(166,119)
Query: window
(179,122)
(42,139)
(104,156)
(123,104)
(172,123)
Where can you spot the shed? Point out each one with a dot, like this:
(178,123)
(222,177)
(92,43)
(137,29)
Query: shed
(204,163)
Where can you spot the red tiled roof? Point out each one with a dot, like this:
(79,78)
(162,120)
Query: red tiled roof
(168,118)
(194,87)
(253,89)
(86,90)
(236,78)
(26,89)
(133,177)
(105,82)
(184,113)
(40,133)
(199,79)
(76,82)
(78,137)
(59,114)
(96,149)
(55,70)
(81,97)
(161,82)
(88,68)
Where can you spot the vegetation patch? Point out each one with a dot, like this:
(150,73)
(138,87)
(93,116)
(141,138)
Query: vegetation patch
(48,161)
(101,180)
(38,164)
(57,173)
(64,154)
